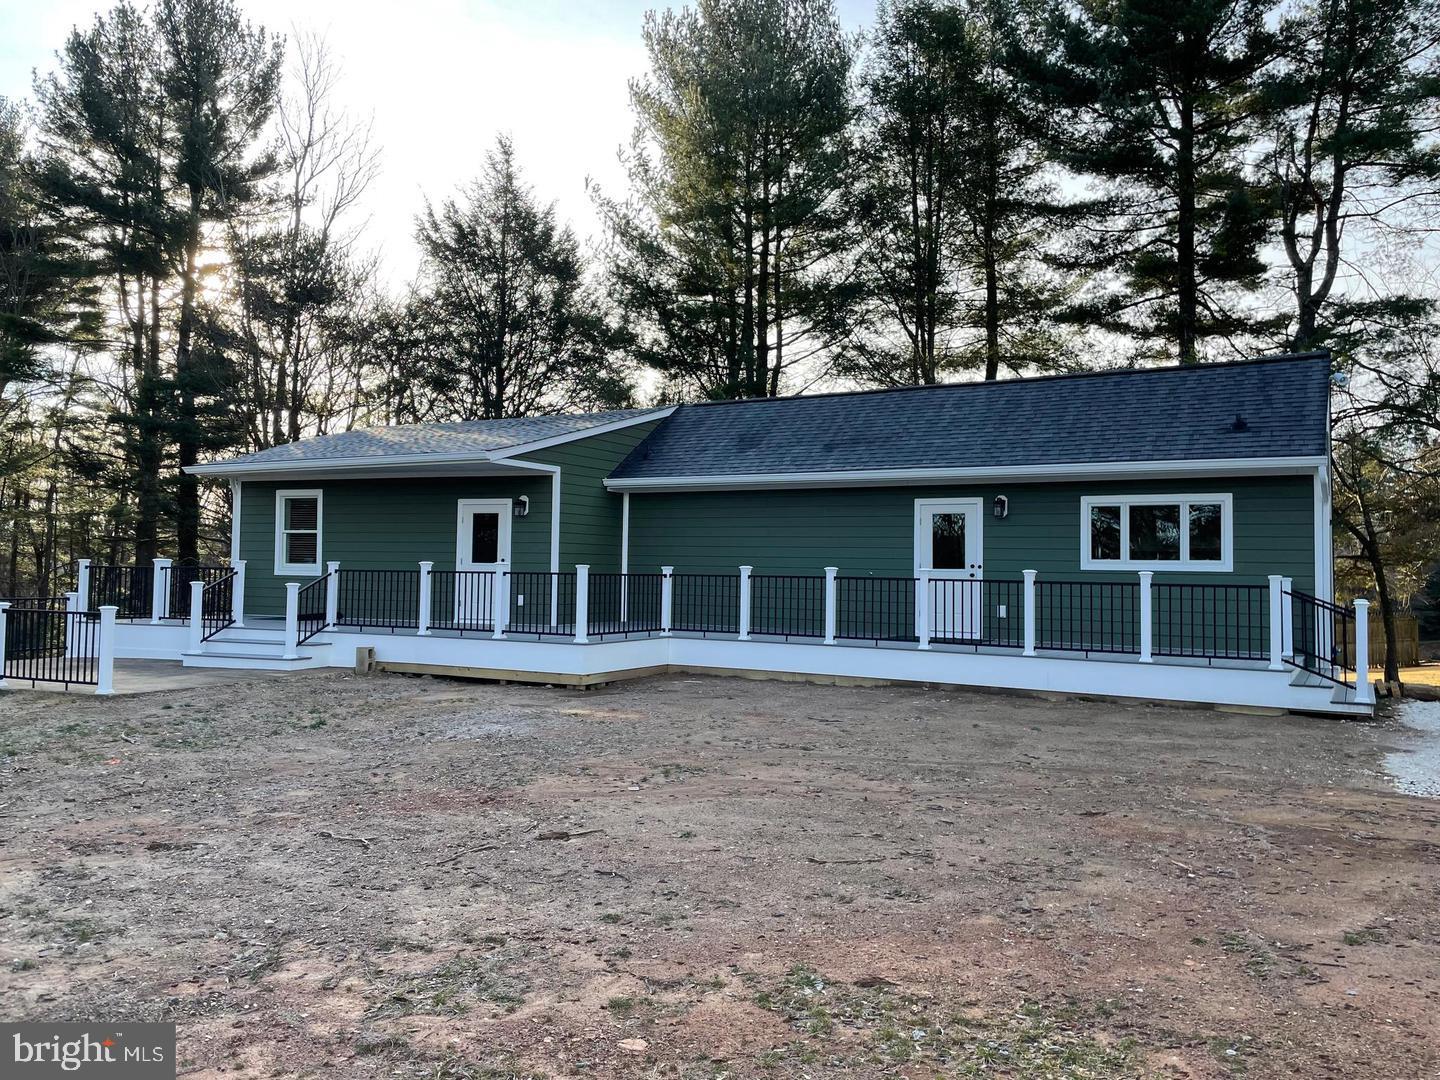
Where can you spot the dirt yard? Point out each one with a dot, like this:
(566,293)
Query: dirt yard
(331,876)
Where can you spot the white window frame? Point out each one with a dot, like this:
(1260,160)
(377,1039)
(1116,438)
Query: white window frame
(1224,565)
(299,569)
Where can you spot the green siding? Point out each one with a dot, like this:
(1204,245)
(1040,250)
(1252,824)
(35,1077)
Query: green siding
(386,525)
(591,516)
(871,530)
(393,524)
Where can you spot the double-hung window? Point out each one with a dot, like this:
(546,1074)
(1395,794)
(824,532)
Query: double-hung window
(1156,532)
(298,531)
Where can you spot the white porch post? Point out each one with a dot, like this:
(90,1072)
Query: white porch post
(667,599)
(422,620)
(237,596)
(500,603)
(197,616)
(744,625)
(1287,618)
(105,675)
(1029,576)
(292,620)
(160,591)
(830,572)
(922,607)
(1277,628)
(332,593)
(4,607)
(1147,617)
(582,603)
(1364,691)
(82,580)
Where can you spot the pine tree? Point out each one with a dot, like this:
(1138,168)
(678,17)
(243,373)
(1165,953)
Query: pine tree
(1158,101)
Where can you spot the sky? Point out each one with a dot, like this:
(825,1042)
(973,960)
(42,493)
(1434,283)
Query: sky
(440,79)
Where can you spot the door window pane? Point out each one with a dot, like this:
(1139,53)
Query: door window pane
(1105,532)
(1155,533)
(1205,538)
(484,538)
(947,541)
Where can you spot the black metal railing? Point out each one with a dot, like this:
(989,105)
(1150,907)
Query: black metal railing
(46,644)
(787,605)
(1087,616)
(314,599)
(44,603)
(175,579)
(217,606)
(385,599)
(129,589)
(705,603)
(1211,621)
(990,612)
(462,600)
(875,608)
(542,603)
(624,604)
(1322,641)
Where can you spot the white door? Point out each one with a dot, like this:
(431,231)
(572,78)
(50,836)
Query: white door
(948,545)
(482,547)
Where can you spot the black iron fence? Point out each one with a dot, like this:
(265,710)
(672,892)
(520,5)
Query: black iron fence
(1088,616)
(875,608)
(1212,621)
(175,579)
(49,644)
(462,600)
(624,604)
(542,603)
(385,599)
(705,603)
(990,612)
(1322,638)
(787,605)
(127,588)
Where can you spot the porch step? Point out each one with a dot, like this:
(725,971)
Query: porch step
(258,646)
(273,661)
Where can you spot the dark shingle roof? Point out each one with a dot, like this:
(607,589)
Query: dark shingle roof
(1165,414)
(405,440)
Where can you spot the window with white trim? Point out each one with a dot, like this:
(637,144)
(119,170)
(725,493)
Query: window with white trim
(1156,532)
(298,531)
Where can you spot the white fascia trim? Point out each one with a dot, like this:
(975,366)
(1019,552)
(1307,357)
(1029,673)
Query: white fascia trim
(1119,470)
(571,436)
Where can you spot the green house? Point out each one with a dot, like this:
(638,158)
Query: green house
(1146,533)
(1201,475)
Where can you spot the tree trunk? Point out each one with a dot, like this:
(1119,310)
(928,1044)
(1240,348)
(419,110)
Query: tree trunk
(1186,285)
(187,488)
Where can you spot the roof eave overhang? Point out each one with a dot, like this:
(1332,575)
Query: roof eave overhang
(415,464)
(1119,470)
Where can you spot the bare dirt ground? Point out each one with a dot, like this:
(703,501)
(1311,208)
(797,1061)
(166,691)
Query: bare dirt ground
(330,876)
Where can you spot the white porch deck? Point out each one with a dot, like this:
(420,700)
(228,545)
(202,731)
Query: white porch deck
(259,644)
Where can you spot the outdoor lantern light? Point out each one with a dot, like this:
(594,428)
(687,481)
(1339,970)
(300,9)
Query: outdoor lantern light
(1002,506)
(522,506)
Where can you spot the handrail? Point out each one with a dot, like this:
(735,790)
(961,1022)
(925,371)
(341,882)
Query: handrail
(1323,638)
(312,615)
(217,605)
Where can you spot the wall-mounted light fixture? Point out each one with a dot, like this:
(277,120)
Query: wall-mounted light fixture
(522,506)
(1002,506)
